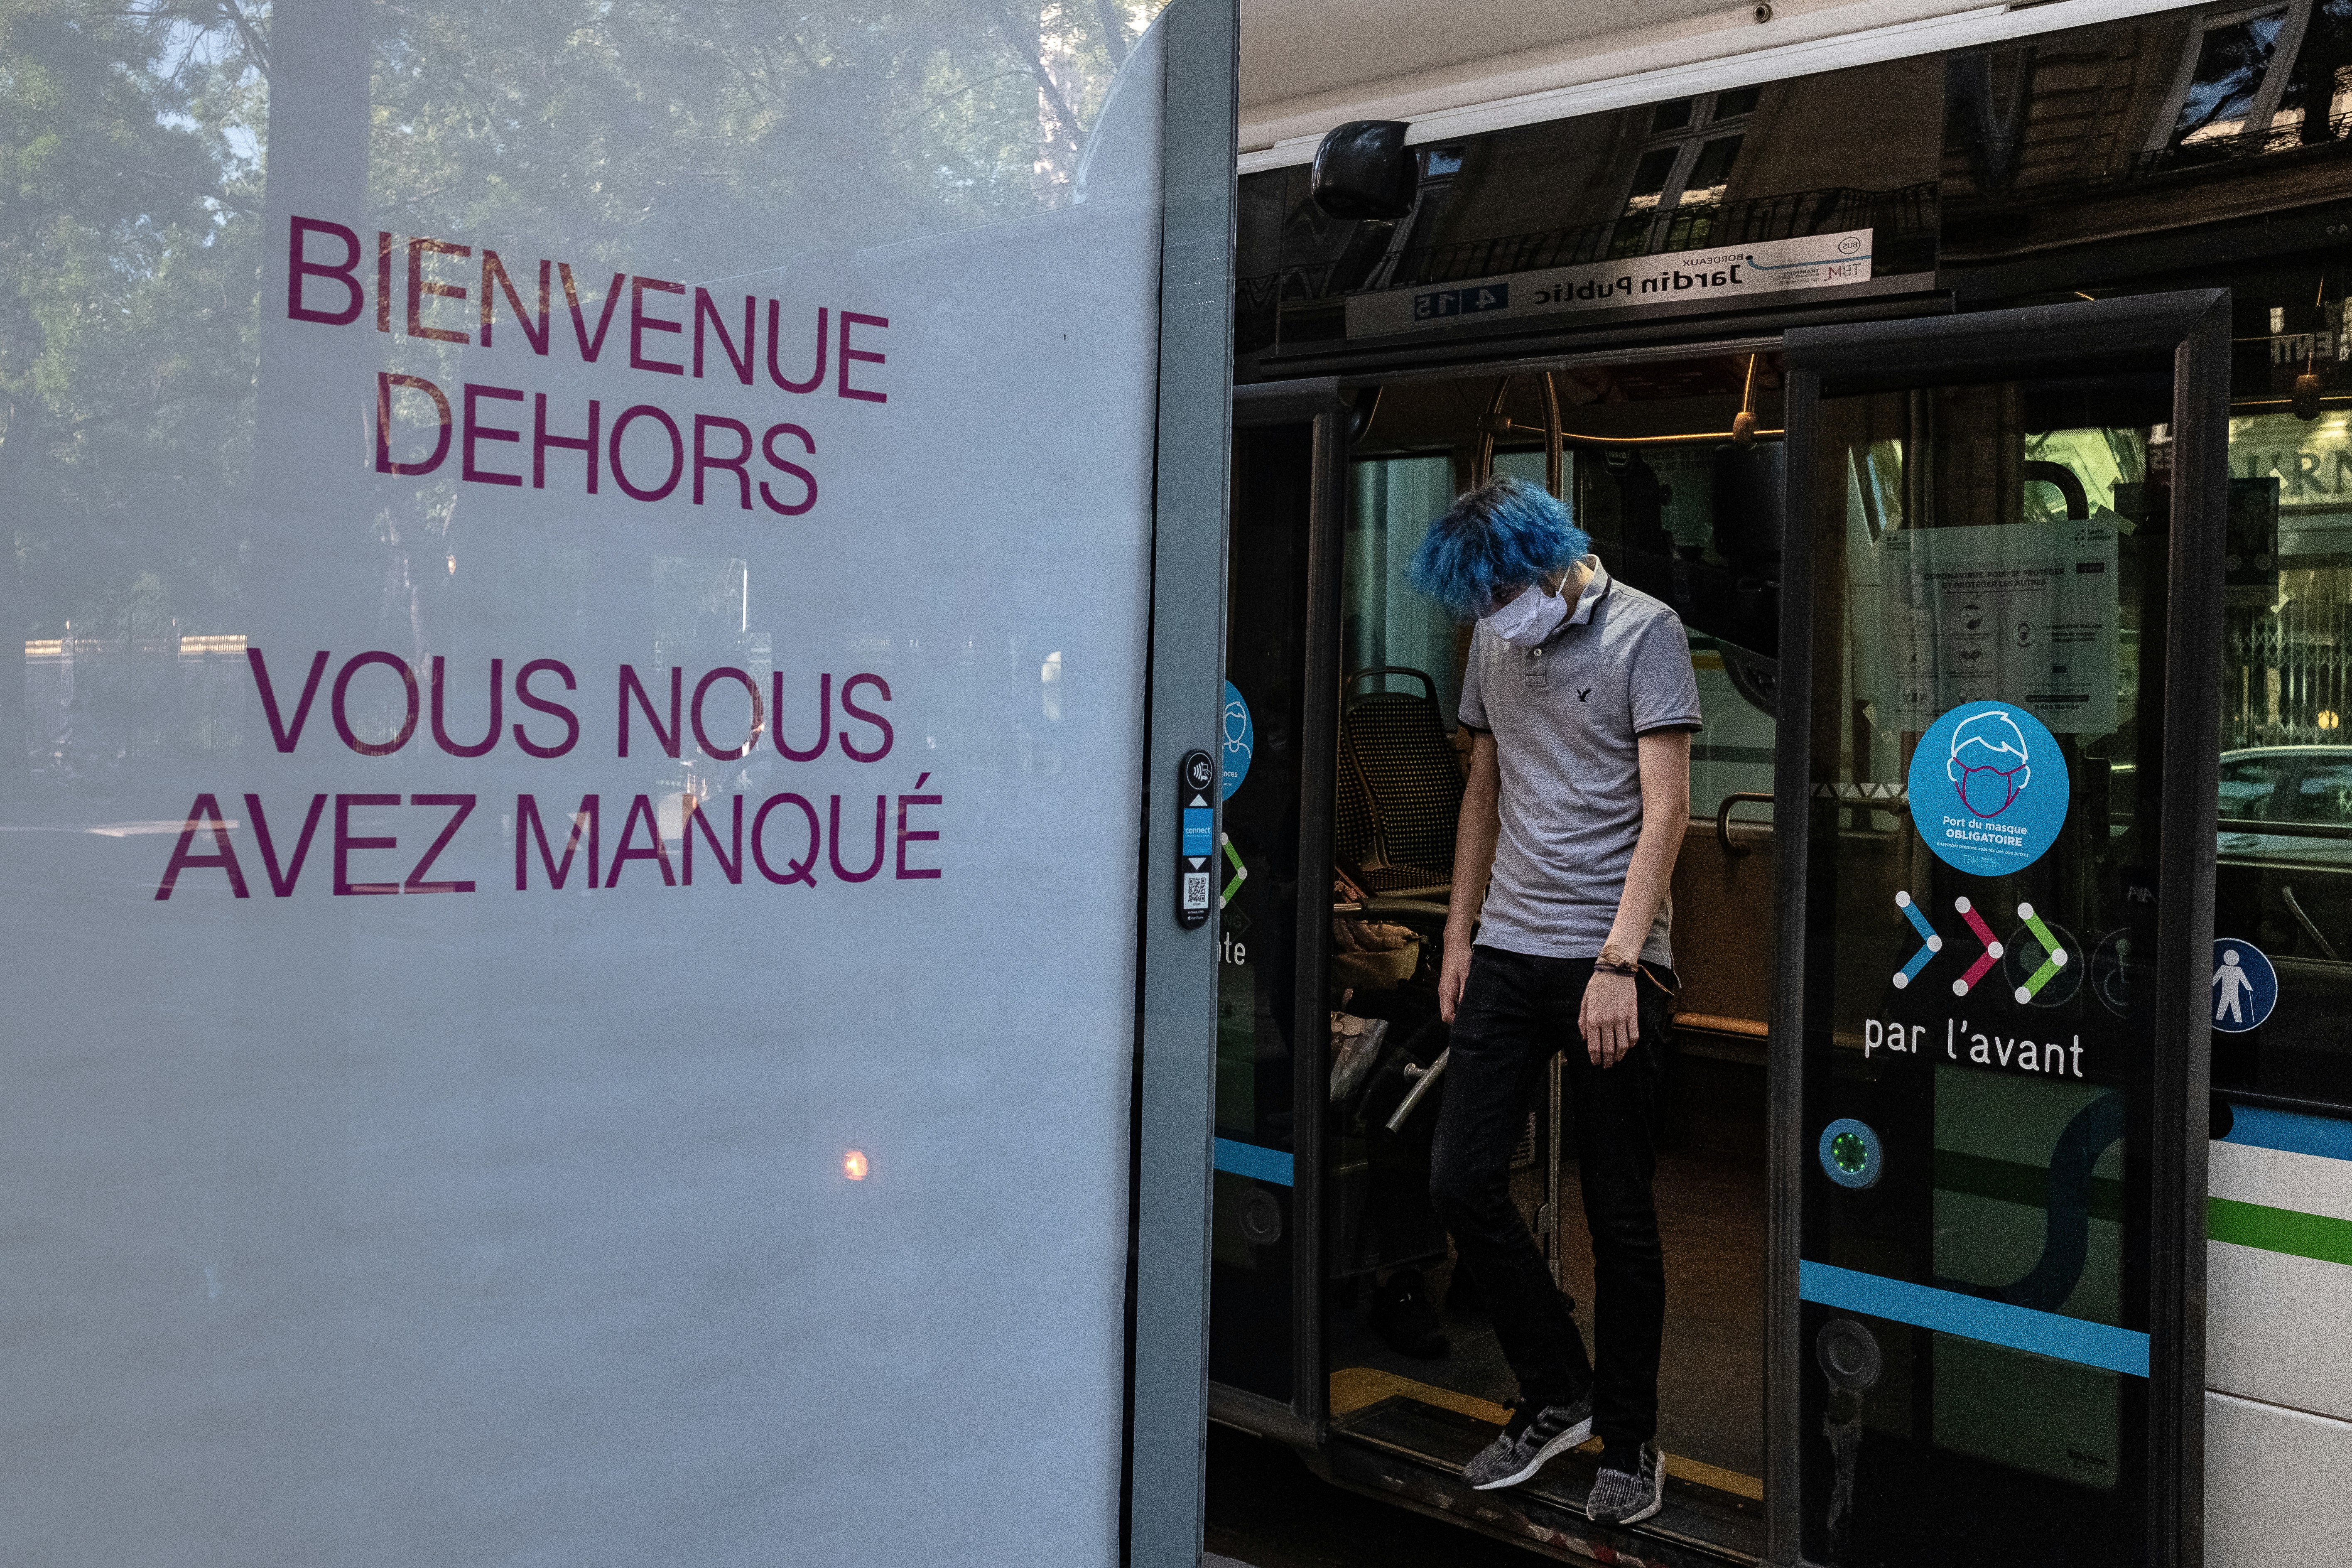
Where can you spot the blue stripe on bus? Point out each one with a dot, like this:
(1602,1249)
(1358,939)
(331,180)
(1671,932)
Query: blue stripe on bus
(2263,1128)
(1249,1159)
(1974,1318)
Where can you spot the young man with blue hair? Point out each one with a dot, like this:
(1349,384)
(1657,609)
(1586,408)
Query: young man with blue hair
(1579,699)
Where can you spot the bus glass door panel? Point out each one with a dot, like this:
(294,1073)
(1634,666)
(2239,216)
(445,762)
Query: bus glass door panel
(1997,1085)
(1253,1223)
(1271,872)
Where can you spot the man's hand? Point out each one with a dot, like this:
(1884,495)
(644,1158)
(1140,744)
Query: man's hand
(1610,1020)
(1474,857)
(1453,973)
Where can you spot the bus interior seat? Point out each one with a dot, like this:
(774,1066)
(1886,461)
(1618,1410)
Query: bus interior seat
(1394,743)
(1725,941)
(1365,953)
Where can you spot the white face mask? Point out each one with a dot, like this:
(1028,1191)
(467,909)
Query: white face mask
(1531,617)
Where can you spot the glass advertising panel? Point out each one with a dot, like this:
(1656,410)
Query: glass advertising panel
(568,816)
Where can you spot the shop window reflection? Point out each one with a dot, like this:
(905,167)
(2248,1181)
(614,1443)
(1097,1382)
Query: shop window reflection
(2229,76)
(1677,185)
(2261,80)
(2283,840)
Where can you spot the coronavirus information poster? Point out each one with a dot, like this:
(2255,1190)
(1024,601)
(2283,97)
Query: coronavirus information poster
(570,857)
(2025,611)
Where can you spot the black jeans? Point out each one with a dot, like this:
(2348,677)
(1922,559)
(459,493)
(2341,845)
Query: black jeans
(1515,1011)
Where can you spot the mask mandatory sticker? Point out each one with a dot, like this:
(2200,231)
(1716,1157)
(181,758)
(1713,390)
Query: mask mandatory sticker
(1989,788)
(1241,742)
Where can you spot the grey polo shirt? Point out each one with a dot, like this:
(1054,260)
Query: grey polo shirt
(1565,717)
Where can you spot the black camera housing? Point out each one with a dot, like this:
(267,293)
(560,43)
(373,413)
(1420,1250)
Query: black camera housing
(1364,170)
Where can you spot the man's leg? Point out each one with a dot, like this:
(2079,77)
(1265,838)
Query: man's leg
(1614,1112)
(1500,1029)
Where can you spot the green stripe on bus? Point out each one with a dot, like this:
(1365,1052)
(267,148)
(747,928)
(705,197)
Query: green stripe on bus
(2012,1183)
(2290,1231)
(2279,1230)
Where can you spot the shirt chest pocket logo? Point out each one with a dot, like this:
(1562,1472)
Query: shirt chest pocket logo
(1583,692)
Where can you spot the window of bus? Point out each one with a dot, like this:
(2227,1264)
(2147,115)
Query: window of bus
(1731,754)
(2283,840)
(1386,622)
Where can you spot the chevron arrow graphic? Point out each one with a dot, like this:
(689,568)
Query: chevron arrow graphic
(1985,960)
(1930,943)
(2055,960)
(1241,872)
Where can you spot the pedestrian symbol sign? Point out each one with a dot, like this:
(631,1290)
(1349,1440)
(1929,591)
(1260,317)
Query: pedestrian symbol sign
(2245,986)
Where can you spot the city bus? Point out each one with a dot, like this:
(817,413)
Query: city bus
(1998,368)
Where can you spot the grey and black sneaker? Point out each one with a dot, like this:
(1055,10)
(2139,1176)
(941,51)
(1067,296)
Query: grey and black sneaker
(1531,1437)
(1628,1497)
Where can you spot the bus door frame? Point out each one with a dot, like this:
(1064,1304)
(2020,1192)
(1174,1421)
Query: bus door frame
(1321,404)
(2194,327)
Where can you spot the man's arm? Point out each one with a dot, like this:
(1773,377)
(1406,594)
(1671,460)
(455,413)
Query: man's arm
(1611,1019)
(1474,835)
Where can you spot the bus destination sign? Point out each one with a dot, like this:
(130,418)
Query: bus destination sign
(1681,278)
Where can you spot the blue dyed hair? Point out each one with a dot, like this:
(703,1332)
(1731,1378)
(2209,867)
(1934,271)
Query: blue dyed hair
(1502,534)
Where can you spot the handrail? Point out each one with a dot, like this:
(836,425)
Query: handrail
(1718,1023)
(1424,1080)
(2282,827)
(1723,818)
(2326,948)
(2062,478)
(1428,685)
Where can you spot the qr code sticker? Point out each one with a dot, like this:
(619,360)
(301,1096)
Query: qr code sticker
(1196,890)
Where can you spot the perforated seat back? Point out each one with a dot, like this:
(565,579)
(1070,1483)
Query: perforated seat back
(1354,842)
(1397,743)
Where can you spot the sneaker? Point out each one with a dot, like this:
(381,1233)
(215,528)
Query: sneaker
(1628,1497)
(1404,1317)
(1530,1440)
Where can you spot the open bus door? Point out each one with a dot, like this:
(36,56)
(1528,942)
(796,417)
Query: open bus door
(1942,1174)
(1996,793)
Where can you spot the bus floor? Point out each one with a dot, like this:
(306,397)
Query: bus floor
(1710,1191)
(1267,1509)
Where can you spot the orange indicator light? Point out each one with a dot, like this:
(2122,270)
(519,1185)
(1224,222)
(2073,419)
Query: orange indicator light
(853,1165)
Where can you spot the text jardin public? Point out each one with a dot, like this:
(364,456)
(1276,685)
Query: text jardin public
(327,289)
(815,840)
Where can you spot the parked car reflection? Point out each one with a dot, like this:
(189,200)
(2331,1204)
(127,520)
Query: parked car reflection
(2286,803)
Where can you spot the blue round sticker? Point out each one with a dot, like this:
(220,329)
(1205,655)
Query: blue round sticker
(2245,986)
(1989,788)
(1241,739)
